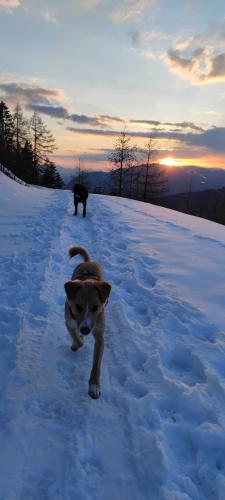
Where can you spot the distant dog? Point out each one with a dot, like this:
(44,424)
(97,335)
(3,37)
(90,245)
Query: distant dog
(87,294)
(80,196)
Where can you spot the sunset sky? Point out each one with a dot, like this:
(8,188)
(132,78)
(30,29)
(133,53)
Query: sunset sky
(91,67)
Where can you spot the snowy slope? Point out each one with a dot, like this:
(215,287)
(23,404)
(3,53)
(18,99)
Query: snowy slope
(158,430)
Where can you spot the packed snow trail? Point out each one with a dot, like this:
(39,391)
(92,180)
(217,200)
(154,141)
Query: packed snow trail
(158,430)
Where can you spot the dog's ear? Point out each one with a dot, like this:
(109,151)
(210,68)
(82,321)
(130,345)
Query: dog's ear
(104,290)
(71,287)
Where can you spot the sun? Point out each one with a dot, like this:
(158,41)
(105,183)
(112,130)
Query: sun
(170,162)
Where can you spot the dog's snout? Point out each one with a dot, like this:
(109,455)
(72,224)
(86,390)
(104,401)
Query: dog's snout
(85,330)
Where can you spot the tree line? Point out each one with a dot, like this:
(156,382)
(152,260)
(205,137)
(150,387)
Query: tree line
(25,144)
(140,179)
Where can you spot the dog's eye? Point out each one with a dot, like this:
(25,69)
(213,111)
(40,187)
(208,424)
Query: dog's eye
(79,308)
(94,308)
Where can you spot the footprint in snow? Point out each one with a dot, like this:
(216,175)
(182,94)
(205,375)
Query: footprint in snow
(184,365)
(146,278)
(136,389)
(138,359)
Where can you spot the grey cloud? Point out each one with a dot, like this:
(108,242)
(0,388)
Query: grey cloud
(184,62)
(92,131)
(146,122)
(199,60)
(213,139)
(111,118)
(54,111)
(29,93)
(135,36)
(85,120)
(61,112)
(217,66)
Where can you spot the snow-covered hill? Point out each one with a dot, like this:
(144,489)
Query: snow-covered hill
(158,431)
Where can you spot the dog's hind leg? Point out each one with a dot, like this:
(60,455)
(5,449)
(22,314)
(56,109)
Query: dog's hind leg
(75,206)
(84,208)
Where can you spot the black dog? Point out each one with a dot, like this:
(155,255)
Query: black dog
(80,196)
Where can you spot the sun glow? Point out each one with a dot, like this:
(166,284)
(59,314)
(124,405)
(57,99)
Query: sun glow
(170,162)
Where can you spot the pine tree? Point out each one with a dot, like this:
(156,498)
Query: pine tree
(21,137)
(6,136)
(43,143)
(26,164)
(20,128)
(50,176)
(58,183)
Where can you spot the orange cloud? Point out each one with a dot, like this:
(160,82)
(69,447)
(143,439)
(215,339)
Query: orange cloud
(9,5)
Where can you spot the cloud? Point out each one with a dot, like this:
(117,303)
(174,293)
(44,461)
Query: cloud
(90,4)
(201,58)
(179,126)
(109,119)
(92,131)
(28,94)
(102,121)
(143,38)
(63,113)
(150,44)
(130,10)
(85,120)
(53,111)
(211,139)
(86,156)
(217,68)
(49,102)
(86,5)
(49,16)
(9,5)
(194,67)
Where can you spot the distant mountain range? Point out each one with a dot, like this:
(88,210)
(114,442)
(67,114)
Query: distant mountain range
(180,179)
(209,204)
(193,178)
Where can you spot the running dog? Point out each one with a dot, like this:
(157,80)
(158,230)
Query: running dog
(87,294)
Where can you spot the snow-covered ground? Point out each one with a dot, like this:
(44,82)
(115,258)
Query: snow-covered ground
(158,431)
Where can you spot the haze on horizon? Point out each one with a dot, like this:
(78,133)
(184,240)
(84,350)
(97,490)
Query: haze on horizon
(91,67)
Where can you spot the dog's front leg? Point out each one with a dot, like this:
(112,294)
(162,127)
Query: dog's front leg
(94,381)
(77,341)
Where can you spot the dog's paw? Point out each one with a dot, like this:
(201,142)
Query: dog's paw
(74,348)
(77,344)
(94,391)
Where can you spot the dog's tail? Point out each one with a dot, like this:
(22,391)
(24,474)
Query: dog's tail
(79,251)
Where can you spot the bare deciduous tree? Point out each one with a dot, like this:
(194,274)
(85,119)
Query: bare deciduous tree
(122,157)
(154,184)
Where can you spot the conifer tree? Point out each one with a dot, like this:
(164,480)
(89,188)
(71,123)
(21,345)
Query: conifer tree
(6,136)
(43,142)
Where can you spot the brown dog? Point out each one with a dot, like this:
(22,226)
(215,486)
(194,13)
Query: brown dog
(87,295)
